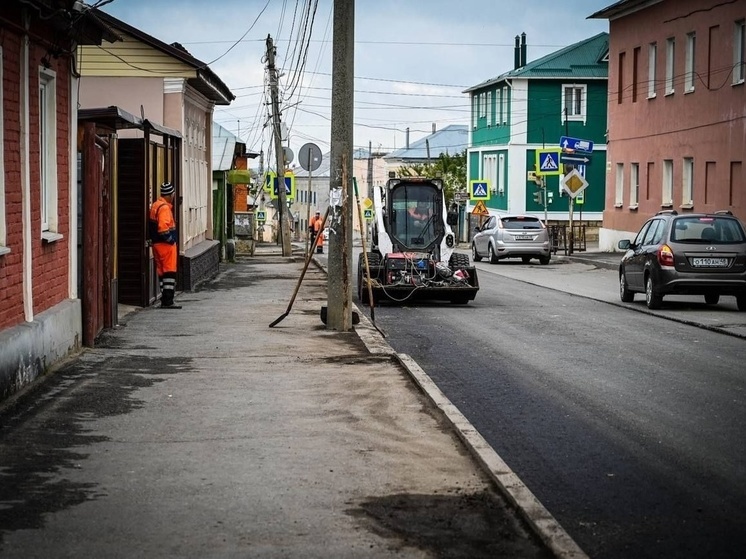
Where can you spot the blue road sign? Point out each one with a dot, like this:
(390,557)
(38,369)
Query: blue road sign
(575,159)
(576,144)
(548,162)
(479,190)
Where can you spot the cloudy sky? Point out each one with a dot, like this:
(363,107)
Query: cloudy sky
(413,58)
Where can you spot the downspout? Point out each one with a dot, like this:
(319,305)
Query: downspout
(73,187)
(28,294)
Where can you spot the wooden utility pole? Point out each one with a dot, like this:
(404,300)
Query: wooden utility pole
(339,282)
(282,209)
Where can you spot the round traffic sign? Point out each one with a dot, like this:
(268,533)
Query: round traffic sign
(288,155)
(309,157)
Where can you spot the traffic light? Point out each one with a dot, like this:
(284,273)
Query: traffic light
(538,198)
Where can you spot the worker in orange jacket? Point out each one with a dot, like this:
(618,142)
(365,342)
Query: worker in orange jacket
(312,229)
(319,234)
(164,239)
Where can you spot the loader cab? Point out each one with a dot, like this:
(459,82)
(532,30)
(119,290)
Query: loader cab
(414,214)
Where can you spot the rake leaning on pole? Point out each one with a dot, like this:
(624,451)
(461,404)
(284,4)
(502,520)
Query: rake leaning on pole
(365,257)
(309,256)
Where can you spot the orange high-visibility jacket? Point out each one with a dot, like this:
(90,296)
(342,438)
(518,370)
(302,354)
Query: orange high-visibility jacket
(161,223)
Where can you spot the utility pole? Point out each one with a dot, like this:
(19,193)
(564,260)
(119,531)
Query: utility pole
(279,152)
(339,279)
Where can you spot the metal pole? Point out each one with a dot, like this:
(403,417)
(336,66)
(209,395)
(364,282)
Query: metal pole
(339,284)
(308,209)
(283,209)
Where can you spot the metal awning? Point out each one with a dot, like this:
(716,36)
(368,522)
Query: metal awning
(116,118)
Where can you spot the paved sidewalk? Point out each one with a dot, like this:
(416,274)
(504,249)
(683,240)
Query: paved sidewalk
(201,432)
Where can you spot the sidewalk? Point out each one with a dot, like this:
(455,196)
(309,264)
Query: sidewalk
(201,432)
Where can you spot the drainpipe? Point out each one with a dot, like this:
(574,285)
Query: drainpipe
(406,144)
(517,53)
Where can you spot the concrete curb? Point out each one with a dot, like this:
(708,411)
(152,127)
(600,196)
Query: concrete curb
(554,536)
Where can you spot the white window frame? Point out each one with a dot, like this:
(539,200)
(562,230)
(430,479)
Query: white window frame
(619,185)
(474,110)
(3,226)
(691,45)
(490,120)
(670,65)
(739,52)
(48,153)
(483,105)
(583,108)
(634,184)
(652,69)
(501,173)
(667,186)
(489,170)
(687,182)
(504,105)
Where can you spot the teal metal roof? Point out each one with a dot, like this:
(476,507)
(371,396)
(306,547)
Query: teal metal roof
(583,60)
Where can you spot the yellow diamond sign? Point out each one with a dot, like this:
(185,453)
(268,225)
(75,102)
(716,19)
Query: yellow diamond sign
(574,183)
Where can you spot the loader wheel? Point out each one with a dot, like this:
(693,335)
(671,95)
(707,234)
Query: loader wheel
(374,260)
(459,261)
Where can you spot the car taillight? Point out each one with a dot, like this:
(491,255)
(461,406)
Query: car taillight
(665,256)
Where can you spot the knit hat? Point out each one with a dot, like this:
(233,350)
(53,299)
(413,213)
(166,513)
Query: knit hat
(167,189)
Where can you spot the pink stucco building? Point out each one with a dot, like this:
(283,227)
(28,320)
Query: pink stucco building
(677,102)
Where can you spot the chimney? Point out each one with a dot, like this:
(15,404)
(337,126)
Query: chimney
(523,49)
(517,53)
(406,141)
(433,128)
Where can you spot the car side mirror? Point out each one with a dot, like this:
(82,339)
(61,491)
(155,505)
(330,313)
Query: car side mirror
(625,244)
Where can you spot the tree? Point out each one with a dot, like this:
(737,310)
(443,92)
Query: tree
(450,168)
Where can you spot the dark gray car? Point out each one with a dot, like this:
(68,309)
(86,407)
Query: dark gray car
(511,236)
(693,254)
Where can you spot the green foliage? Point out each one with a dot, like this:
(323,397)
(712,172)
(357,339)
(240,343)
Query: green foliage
(450,168)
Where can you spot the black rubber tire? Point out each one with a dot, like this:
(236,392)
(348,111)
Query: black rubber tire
(474,254)
(741,302)
(625,294)
(652,299)
(374,261)
(712,298)
(458,261)
(544,260)
(525,259)
(492,256)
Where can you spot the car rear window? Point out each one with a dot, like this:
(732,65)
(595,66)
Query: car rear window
(707,229)
(521,222)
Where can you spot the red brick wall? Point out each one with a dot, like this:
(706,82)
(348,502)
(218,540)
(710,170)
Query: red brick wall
(50,268)
(11,265)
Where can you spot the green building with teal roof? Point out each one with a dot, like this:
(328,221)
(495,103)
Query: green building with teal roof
(532,107)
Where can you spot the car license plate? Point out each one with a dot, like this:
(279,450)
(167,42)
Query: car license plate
(709,262)
(523,238)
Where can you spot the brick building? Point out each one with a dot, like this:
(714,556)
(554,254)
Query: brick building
(40,313)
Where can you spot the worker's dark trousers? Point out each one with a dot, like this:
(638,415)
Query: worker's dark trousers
(168,288)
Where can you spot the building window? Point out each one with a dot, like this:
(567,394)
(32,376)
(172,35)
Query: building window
(474,110)
(483,105)
(652,58)
(501,174)
(619,193)
(574,102)
(670,54)
(689,74)
(3,230)
(687,184)
(489,171)
(48,149)
(635,72)
(620,78)
(504,105)
(739,52)
(667,192)
(490,113)
(634,184)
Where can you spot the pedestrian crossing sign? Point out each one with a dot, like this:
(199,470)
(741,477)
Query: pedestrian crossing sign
(548,162)
(368,214)
(479,190)
(261,216)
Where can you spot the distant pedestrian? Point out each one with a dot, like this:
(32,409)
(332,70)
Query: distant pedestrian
(312,229)
(319,235)
(164,239)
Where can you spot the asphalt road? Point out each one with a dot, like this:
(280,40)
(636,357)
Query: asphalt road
(628,427)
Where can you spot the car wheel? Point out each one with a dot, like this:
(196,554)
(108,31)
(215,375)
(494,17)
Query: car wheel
(492,256)
(526,259)
(712,298)
(544,260)
(652,299)
(625,294)
(741,302)
(474,254)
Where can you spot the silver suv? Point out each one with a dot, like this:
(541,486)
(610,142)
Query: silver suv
(511,236)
